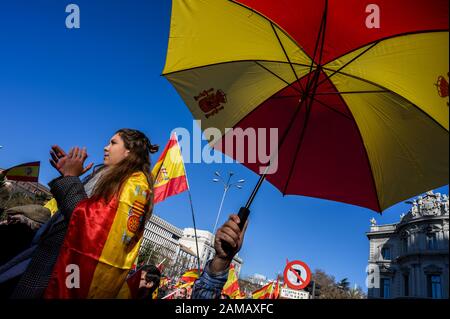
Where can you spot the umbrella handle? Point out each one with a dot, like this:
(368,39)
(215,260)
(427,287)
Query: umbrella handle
(243,215)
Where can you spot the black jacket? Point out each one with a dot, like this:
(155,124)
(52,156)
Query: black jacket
(68,192)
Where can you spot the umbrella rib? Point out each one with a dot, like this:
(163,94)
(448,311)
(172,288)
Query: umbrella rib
(284,96)
(315,86)
(226,62)
(294,96)
(332,109)
(279,77)
(352,92)
(348,63)
(302,135)
(253,11)
(390,91)
(315,49)
(286,55)
(386,38)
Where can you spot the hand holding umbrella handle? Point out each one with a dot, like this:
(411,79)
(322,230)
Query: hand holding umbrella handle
(243,216)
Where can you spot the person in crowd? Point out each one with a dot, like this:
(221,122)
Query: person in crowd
(98,226)
(150,278)
(19,227)
(5,190)
(17,230)
(181,293)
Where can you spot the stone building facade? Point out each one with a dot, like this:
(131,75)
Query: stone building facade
(410,259)
(163,235)
(205,247)
(179,245)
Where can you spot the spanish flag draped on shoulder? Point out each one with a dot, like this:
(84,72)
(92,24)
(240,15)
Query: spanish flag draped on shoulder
(28,172)
(101,243)
(169,173)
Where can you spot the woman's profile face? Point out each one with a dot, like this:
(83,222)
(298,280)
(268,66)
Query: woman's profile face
(115,151)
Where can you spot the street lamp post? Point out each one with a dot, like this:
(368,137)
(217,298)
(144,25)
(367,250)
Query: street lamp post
(226,186)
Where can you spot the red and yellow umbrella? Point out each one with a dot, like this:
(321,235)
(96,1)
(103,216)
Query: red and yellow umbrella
(360,107)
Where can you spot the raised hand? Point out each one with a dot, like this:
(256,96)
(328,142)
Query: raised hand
(233,236)
(71,164)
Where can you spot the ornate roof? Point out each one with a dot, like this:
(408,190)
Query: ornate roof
(430,204)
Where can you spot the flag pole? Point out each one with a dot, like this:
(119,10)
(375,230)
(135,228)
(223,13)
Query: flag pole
(192,206)
(154,181)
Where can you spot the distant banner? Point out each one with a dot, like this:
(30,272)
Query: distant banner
(28,172)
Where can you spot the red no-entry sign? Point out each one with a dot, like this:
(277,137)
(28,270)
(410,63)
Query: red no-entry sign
(297,275)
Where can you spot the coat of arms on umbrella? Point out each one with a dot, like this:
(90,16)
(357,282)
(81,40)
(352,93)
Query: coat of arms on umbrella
(442,86)
(211,102)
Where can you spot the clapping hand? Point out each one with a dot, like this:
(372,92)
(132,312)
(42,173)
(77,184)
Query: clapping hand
(71,164)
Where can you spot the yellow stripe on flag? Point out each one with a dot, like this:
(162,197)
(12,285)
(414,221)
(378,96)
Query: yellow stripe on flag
(170,167)
(264,292)
(231,287)
(28,172)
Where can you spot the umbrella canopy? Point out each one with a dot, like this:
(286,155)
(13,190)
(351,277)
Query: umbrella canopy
(361,112)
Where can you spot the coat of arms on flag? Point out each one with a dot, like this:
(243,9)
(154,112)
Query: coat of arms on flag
(28,172)
(169,173)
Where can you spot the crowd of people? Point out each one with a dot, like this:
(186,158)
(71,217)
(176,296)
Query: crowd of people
(84,241)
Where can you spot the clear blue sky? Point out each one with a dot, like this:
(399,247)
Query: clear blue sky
(77,87)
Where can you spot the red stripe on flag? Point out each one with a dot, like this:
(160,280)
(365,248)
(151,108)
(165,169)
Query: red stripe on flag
(172,142)
(89,228)
(22,178)
(174,186)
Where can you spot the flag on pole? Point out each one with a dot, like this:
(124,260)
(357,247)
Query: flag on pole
(170,296)
(170,178)
(276,291)
(27,172)
(190,276)
(168,173)
(264,292)
(231,287)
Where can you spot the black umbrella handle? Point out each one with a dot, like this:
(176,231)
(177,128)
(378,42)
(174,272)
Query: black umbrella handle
(243,216)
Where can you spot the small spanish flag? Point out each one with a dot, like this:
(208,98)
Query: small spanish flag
(28,172)
(190,276)
(276,291)
(164,281)
(231,287)
(263,293)
(168,173)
